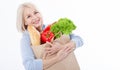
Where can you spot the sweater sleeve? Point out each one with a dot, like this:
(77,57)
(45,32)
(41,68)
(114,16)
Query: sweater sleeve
(29,62)
(77,39)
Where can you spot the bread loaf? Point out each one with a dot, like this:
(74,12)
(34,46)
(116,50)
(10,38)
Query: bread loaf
(34,35)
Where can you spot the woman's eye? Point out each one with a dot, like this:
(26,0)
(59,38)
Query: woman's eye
(36,12)
(28,16)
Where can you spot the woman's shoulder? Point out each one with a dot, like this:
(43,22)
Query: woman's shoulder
(25,35)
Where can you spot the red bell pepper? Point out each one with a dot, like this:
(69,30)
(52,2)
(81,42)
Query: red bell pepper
(47,35)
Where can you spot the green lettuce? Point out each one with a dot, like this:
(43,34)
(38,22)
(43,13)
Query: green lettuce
(62,26)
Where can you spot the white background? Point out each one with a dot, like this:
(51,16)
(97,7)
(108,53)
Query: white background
(97,23)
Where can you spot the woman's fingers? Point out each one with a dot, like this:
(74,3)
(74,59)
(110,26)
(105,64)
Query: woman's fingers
(51,50)
(64,49)
(48,49)
(70,49)
(67,50)
(49,43)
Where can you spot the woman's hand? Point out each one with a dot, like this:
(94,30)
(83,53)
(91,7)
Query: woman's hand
(63,53)
(53,49)
(71,45)
(60,55)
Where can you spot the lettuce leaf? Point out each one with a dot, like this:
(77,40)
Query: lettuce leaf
(63,26)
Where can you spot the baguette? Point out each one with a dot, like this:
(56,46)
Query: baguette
(34,35)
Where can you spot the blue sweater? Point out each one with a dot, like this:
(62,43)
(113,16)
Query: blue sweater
(29,62)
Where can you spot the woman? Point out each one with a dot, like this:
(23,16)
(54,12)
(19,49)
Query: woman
(27,14)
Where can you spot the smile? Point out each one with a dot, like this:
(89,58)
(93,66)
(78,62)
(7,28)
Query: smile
(37,21)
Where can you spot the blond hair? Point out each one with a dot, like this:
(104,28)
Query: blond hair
(21,27)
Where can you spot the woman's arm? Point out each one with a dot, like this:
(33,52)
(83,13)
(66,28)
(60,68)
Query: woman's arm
(29,62)
(62,54)
(77,40)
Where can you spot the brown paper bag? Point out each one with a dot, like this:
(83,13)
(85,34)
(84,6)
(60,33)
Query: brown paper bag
(69,63)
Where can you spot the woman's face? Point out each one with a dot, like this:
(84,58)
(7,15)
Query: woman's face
(32,17)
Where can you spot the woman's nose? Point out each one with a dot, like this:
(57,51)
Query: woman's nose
(34,17)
